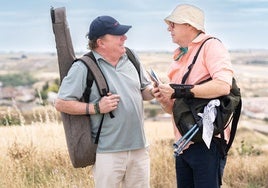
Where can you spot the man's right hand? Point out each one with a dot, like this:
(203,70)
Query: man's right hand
(109,103)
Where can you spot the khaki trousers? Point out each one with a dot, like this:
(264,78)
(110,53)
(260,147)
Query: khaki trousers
(129,169)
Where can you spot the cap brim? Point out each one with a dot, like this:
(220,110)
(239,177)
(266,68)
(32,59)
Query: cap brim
(120,30)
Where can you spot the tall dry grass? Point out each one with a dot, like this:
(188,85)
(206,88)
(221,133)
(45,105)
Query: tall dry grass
(35,156)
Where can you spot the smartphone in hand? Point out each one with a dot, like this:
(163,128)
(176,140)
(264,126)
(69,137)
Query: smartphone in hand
(154,77)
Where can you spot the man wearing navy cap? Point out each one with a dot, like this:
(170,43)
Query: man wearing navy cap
(122,155)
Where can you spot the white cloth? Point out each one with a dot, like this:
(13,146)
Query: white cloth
(208,117)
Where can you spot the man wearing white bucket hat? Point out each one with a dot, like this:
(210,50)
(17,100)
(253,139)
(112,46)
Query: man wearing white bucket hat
(196,166)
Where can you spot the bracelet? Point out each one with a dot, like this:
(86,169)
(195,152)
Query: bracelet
(97,108)
(87,109)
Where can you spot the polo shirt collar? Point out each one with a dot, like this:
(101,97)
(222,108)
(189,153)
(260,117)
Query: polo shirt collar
(99,57)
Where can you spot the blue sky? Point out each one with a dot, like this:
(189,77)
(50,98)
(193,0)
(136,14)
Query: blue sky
(26,25)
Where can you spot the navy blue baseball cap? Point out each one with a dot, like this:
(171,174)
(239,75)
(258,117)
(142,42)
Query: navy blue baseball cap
(103,25)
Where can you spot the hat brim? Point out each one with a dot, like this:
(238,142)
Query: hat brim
(183,21)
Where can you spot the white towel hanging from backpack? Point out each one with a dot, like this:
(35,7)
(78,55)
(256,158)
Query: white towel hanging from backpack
(208,117)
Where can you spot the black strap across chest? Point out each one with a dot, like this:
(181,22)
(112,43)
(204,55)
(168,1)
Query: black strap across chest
(194,60)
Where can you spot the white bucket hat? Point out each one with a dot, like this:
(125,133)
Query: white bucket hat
(187,14)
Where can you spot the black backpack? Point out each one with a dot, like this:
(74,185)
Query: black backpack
(81,147)
(185,112)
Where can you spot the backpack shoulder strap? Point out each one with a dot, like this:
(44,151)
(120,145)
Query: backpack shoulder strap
(133,60)
(235,118)
(194,60)
(94,73)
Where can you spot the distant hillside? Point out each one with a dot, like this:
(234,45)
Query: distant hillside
(253,57)
(47,62)
(251,68)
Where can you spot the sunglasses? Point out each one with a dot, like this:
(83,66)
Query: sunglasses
(172,24)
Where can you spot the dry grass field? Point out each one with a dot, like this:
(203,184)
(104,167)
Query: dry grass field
(34,155)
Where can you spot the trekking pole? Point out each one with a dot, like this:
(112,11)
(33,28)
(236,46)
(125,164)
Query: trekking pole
(183,141)
(176,144)
(178,150)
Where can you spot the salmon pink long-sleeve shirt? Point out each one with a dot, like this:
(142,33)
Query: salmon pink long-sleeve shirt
(213,62)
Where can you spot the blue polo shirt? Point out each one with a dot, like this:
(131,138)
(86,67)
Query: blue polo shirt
(126,130)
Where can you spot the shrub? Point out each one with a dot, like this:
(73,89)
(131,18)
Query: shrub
(18,79)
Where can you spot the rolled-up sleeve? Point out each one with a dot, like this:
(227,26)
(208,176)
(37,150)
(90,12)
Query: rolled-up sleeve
(218,62)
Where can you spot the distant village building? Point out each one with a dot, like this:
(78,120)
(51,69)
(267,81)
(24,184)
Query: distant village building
(23,95)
